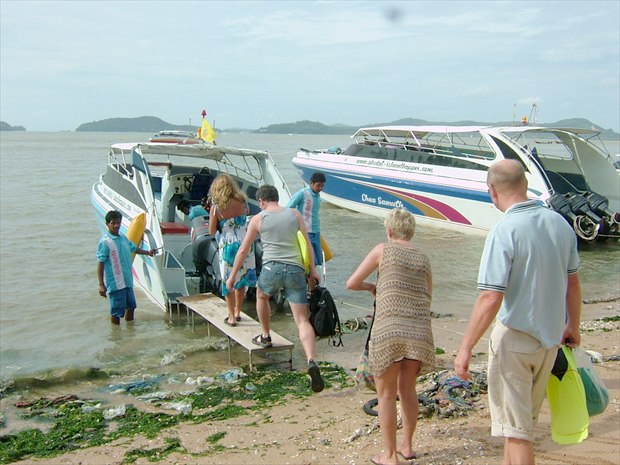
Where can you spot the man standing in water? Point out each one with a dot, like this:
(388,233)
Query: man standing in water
(308,202)
(282,269)
(114,260)
(528,280)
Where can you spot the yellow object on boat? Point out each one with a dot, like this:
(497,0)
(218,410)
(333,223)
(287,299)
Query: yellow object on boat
(303,248)
(326,250)
(136,230)
(567,400)
(207,133)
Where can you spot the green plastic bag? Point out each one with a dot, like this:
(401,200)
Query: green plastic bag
(597,396)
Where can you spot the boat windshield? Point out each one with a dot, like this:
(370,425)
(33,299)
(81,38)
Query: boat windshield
(462,149)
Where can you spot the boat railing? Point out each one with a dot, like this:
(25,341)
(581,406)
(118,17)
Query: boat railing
(116,157)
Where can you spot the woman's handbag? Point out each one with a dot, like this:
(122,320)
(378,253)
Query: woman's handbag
(363,377)
(597,396)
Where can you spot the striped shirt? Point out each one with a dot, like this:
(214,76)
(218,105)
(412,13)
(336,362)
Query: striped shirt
(115,254)
(308,203)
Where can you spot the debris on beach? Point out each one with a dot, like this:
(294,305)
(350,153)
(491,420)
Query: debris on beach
(147,382)
(441,395)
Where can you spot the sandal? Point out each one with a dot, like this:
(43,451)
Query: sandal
(264,342)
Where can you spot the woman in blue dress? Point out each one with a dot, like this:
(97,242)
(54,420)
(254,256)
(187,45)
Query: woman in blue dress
(229,210)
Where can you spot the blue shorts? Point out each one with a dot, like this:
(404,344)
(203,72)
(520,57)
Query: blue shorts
(315,240)
(122,300)
(291,278)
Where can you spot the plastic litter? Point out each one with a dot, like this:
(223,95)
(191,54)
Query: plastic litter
(111,413)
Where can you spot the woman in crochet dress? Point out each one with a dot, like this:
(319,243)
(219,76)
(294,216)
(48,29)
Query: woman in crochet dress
(401,341)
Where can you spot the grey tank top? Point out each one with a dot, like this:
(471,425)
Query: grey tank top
(278,233)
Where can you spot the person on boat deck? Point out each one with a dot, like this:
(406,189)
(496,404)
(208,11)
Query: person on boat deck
(529,285)
(229,212)
(114,262)
(195,210)
(308,202)
(282,269)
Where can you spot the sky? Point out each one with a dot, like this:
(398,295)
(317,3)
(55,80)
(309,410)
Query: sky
(250,64)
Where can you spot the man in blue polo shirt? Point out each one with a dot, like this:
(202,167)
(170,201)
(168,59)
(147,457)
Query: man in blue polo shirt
(114,261)
(529,285)
(308,202)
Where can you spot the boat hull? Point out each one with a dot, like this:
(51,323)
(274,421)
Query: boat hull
(146,270)
(457,205)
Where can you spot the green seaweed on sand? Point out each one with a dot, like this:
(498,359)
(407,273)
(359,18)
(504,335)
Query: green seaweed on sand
(74,428)
(156,454)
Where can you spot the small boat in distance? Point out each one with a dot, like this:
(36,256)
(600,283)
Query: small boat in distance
(439,174)
(152,178)
(175,137)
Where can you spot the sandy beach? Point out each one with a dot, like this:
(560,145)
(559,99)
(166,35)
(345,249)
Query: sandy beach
(332,428)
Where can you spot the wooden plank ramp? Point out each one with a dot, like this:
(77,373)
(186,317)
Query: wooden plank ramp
(214,311)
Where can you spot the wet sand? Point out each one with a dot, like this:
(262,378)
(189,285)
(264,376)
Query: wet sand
(322,429)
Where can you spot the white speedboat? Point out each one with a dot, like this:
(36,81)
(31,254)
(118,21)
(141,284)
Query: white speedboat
(152,178)
(175,137)
(439,174)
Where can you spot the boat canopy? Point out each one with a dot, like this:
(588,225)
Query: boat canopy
(413,131)
(204,150)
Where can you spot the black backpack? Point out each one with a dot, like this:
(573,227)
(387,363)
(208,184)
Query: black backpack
(324,315)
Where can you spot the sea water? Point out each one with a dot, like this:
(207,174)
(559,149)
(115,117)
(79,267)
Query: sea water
(54,324)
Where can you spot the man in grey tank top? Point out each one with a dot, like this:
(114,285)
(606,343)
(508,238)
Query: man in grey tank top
(282,269)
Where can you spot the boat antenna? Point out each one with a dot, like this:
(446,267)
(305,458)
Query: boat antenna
(514,115)
(535,112)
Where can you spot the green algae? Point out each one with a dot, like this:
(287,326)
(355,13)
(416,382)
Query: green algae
(72,428)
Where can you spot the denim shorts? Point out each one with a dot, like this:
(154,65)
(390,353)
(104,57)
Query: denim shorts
(122,300)
(291,278)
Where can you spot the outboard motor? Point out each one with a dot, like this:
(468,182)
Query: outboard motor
(580,206)
(205,254)
(600,205)
(584,227)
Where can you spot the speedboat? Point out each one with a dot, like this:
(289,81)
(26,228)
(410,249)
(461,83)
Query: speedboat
(439,174)
(148,180)
(175,137)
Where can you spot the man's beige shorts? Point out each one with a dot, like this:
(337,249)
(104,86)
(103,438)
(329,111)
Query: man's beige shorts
(519,368)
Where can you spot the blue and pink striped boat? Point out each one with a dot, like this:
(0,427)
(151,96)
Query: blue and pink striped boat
(439,174)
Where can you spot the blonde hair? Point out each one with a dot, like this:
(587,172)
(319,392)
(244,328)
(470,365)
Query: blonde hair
(401,222)
(223,189)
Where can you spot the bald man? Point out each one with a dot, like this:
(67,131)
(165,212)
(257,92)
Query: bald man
(529,285)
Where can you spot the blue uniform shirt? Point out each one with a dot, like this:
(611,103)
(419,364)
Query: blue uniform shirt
(197,210)
(115,254)
(308,203)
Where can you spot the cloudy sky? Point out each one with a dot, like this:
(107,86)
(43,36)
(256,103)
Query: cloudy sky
(251,64)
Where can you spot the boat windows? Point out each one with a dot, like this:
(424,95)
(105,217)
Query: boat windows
(411,155)
(509,152)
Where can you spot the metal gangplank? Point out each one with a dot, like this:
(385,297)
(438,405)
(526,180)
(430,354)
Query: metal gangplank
(214,311)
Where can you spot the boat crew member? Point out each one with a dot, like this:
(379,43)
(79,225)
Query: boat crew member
(114,261)
(195,210)
(529,285)
(308,202)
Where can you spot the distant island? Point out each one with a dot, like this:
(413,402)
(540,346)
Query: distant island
(154,125)
(7,127)
(313,127)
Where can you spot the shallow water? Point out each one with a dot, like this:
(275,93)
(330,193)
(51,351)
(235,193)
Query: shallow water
(53,322)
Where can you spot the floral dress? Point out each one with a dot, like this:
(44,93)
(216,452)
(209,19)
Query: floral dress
(232,233)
